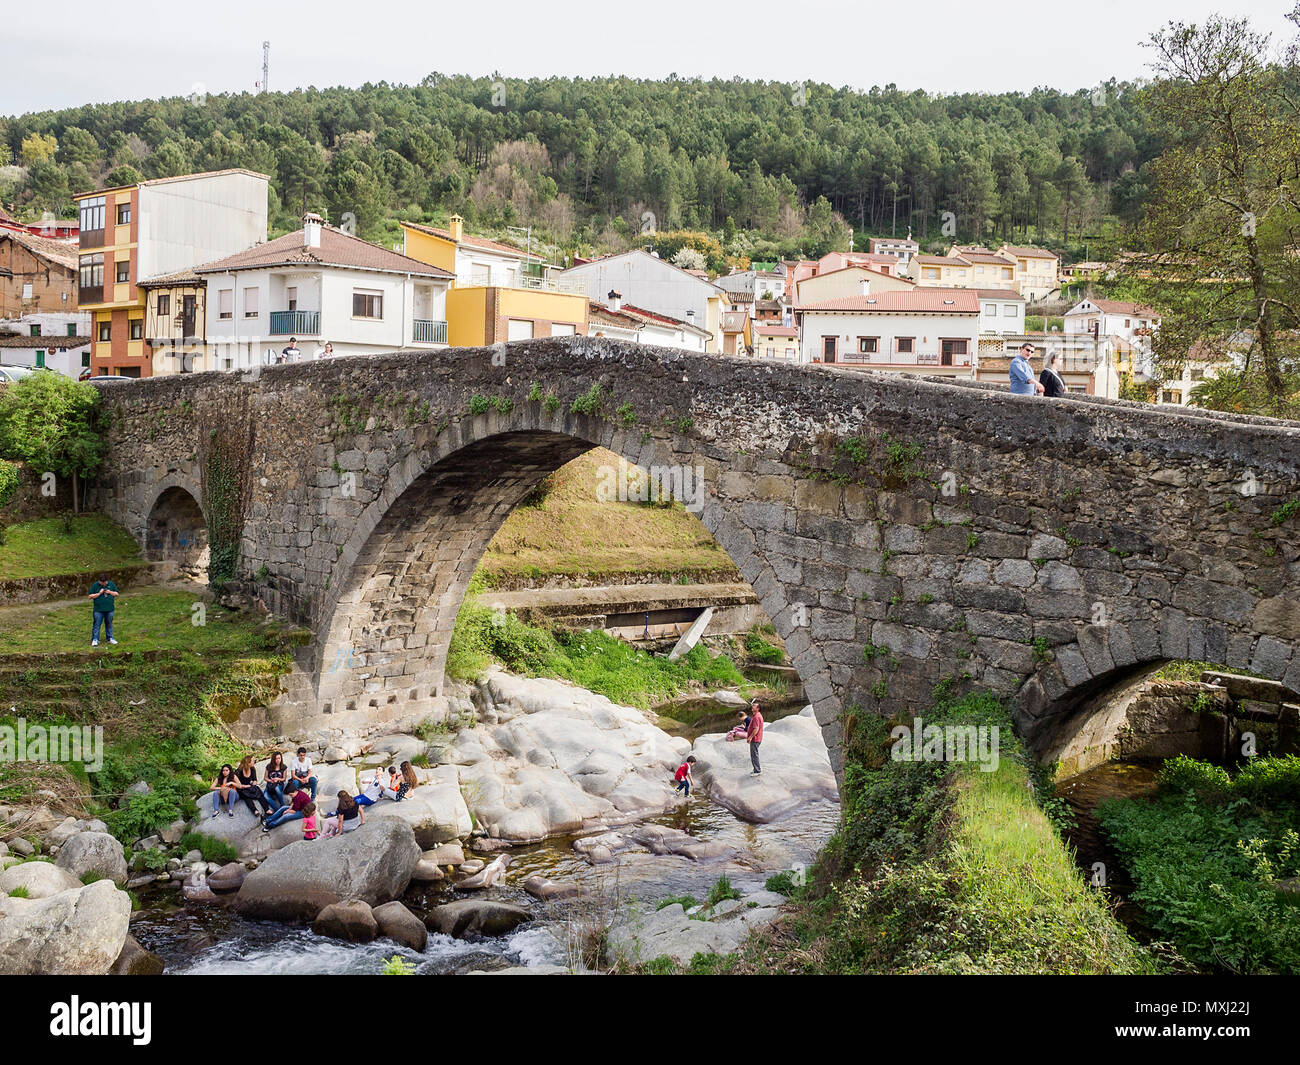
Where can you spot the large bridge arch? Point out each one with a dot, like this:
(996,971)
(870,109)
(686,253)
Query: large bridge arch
(902,532)
(383,636)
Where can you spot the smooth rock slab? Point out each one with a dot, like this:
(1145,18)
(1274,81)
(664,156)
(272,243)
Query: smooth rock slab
(671,933)
(796,770)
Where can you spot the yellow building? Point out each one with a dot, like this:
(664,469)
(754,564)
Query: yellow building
(175,323)
(499,293)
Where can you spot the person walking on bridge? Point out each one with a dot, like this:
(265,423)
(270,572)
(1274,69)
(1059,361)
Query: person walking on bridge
(1022,374)
(754,735)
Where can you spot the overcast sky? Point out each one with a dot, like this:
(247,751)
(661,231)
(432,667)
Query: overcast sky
(154,48)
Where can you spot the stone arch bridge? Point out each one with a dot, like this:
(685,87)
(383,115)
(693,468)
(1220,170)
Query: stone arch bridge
(902,533)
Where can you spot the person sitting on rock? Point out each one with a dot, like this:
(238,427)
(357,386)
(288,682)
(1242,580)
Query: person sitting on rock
(373,790)
(742,729)
(224,789)
(401,783)
(299,801)
(683,776)
(246,782)
(346,818)
(276,775)
(310,825)
(300,770)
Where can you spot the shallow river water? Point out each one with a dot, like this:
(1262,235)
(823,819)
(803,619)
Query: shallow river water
(206,938)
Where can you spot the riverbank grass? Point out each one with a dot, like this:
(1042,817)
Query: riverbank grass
(53,546)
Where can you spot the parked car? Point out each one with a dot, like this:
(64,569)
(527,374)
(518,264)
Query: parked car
(10,374)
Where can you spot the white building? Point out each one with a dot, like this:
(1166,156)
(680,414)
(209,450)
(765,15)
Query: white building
(655,285)
(1001,311)
(901,248)
(623,321)
(317,285)
(931,331)
(55,340)
(1129,324)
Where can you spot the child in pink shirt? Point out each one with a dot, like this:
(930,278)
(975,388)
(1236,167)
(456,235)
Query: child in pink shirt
(310,826)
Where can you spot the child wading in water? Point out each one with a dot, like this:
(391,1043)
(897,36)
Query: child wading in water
(683,776)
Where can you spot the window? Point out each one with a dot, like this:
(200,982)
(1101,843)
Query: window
(868,345)
(1128,322)
(1171,395)
(1008,310)
(250,303)
(36,330)
(480,274)
(905,345)
(122,271)
(1198,375)
(137,328)
(85,360)
(226,303)
(27,290)
(92,271)
(92,214)
(164,304)
(562,330)
(991,309)
(72,329)
(123,214)
(930,273)
(291,297)
(105,332)
(367,304)
(519,329)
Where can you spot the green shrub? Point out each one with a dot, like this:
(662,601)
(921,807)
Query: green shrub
(19,893)
(721,891)
(1183,774)
(782,883)
(152,860)
(212,849)
(759,650)
(140,815)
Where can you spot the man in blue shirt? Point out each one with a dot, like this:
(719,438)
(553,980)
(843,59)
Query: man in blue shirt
(1023,381)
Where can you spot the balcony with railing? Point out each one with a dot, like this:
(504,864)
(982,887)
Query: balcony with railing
(428,331)
(295,323)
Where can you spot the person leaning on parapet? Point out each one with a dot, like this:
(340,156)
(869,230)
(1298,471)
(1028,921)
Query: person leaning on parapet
(1022,374)
(291,352)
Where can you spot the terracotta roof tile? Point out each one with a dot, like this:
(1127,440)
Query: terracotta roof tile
(336,249)
(57,251)
(915,300)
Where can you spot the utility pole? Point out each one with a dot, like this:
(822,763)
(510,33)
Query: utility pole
(266,63)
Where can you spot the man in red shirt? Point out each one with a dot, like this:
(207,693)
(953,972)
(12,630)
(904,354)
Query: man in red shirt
(754,734)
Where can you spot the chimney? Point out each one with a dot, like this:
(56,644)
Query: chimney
(615,300)
(454,224)
(866,286)
(690,317)
(311,226)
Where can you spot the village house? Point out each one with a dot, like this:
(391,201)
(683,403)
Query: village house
(900,248)
(149,229)
(498,292)
(932,331)
(624,321)
(658,287)
(1037,271)
(319,285)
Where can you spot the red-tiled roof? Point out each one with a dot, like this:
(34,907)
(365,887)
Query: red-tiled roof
(734,321)
(939,260)
(997,294)
(914,300)
(1028,253)
(336,249)
(775,329)
(859,266)
(987,257)
(467,239)
(60,252)
(21,341)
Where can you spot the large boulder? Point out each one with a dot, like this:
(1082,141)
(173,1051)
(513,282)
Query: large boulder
(553,758)
(436,810)
(230,877)
(41,880)
(476,917)
(671,933)
(796,770)
(76,932)
(372,863)
(400,925)
(93,852)
(351,921)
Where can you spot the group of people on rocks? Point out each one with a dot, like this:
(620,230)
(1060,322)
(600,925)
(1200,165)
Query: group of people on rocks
(289,794)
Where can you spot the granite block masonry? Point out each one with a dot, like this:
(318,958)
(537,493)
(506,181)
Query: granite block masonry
(902,532)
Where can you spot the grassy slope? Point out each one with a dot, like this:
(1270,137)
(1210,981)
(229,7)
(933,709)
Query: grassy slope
(161,697)
(573,533)
(42,548)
